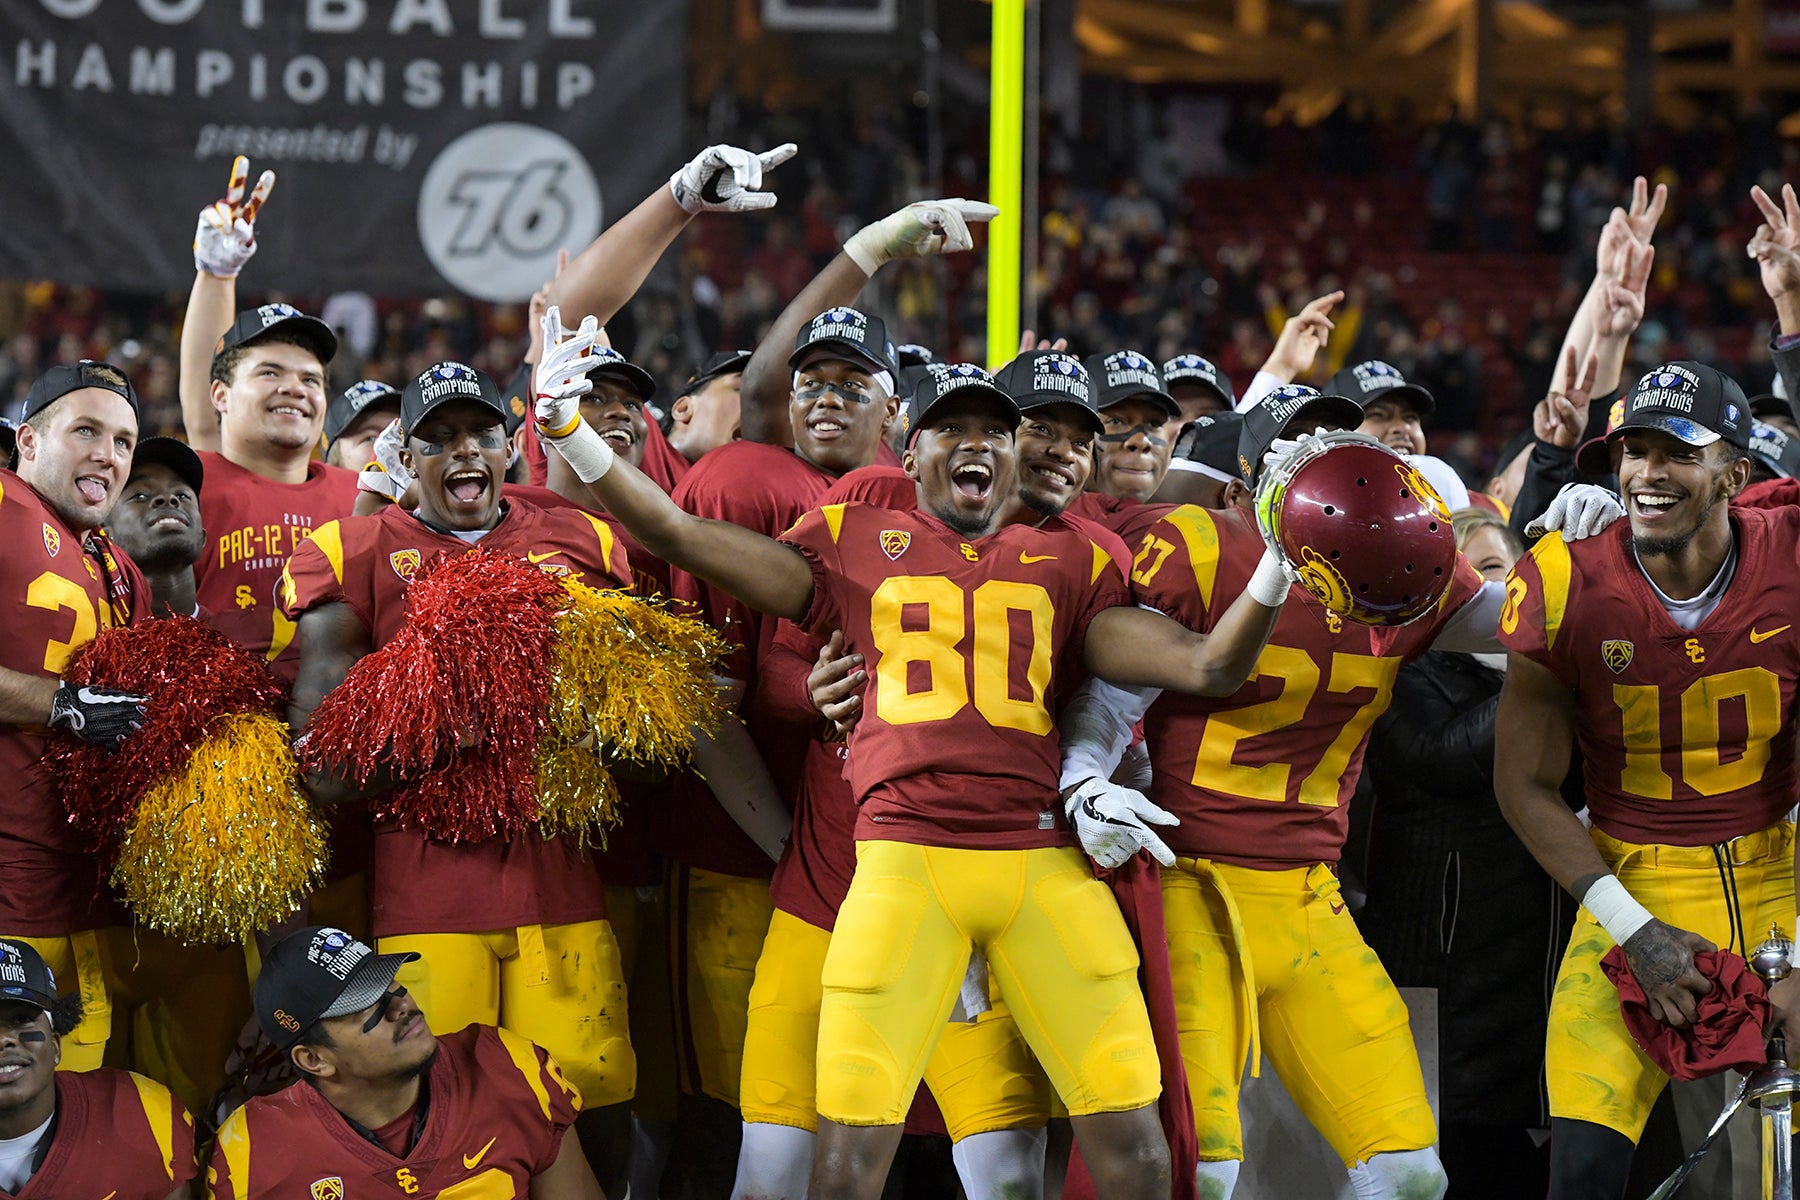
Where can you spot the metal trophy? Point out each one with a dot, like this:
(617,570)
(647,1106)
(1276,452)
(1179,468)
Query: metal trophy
(1771,1088)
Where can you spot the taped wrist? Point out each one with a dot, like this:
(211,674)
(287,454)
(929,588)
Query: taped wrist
(585,451)
(863,252)
(1613,907)
(1268,586)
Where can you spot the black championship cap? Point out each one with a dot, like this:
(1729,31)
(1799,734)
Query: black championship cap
(1778,450)
(443,384)
(1367,382)
(59,381)
(848,334)
(1270,416)
(911,354)
(265,321)
(363,394)
(1123,374)
(1191,369)
(613,365)
(1208,445)
(1769,405)
(317,973)
(1043,377)
(1688,401)
(943,384)
(172,454)
(25,976)
(725,362)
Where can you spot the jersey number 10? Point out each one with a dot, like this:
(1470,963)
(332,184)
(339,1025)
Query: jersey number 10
(1703,765)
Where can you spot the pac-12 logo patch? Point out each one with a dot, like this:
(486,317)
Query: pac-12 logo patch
(1616,652)
(894,542)
(329,1188)
(405,563)
(52,540)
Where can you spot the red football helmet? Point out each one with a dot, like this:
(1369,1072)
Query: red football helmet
(1367,534)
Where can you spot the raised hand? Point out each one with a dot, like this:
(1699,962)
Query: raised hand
(225,237)
(921,229)
(385,474)
(1561,417)
(560,379)
(1029,341)
(1621,308)
(727,179)
(1301,339)
(1776,246)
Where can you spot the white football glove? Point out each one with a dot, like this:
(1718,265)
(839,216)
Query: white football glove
(225,237)
(1579,511)
(1114,822)
(727,179)
(386,475)
(560,378)
(919,230)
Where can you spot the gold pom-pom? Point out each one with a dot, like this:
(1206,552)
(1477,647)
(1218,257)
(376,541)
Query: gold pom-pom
(577,797)
(227,845)
(631,676)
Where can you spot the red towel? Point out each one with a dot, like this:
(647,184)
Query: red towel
(1727,1033)
(1138,887)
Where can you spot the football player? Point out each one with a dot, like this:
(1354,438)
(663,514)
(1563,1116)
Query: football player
(1663,648)
(961,844)
(80,424)
(993,1097)
(94,1132)
(355,418)
(1265,956)
(705,414)
(511,931)
(1198,387)
(1141,422)
(383,1106)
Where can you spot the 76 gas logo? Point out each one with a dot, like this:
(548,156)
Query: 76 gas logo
(499,202)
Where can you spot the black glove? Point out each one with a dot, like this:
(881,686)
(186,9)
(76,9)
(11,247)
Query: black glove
(103,716)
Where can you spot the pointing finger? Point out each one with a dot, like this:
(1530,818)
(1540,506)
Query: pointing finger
(973,210)
(1770,211)
(777,156)
(1791,203)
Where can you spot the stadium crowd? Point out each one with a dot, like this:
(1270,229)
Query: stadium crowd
(1023,785)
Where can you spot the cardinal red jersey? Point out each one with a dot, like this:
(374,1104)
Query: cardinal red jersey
(1262,778)
(252,525)
(61,587)
(763,488)
(1109,512)
(421,885)
(968,646)
(118,1136)
(498,1109)
(649,574)
(1687,738)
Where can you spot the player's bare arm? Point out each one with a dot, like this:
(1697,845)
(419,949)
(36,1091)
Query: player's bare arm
(760,571)
(569,1177)
(223,242)
(602,278)
(1135,647)
(925,228)
(332,640)
(1533,739)
(25,699)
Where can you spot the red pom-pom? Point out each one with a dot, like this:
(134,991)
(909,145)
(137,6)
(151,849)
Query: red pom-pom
(455,702)
(189,674)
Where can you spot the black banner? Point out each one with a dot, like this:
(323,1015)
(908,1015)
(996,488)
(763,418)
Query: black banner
(420,146)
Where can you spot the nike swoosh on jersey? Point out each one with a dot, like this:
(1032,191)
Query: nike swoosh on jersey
(1035,558)
(538,558)
(470,1162)
(1756,636)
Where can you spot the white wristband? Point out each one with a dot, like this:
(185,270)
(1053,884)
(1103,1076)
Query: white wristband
(1613,907)
(861,253)
(1268,586)
(585,451)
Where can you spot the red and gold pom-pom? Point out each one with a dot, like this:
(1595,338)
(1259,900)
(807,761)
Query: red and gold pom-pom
(227,845)
(454,702)
(189,674)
